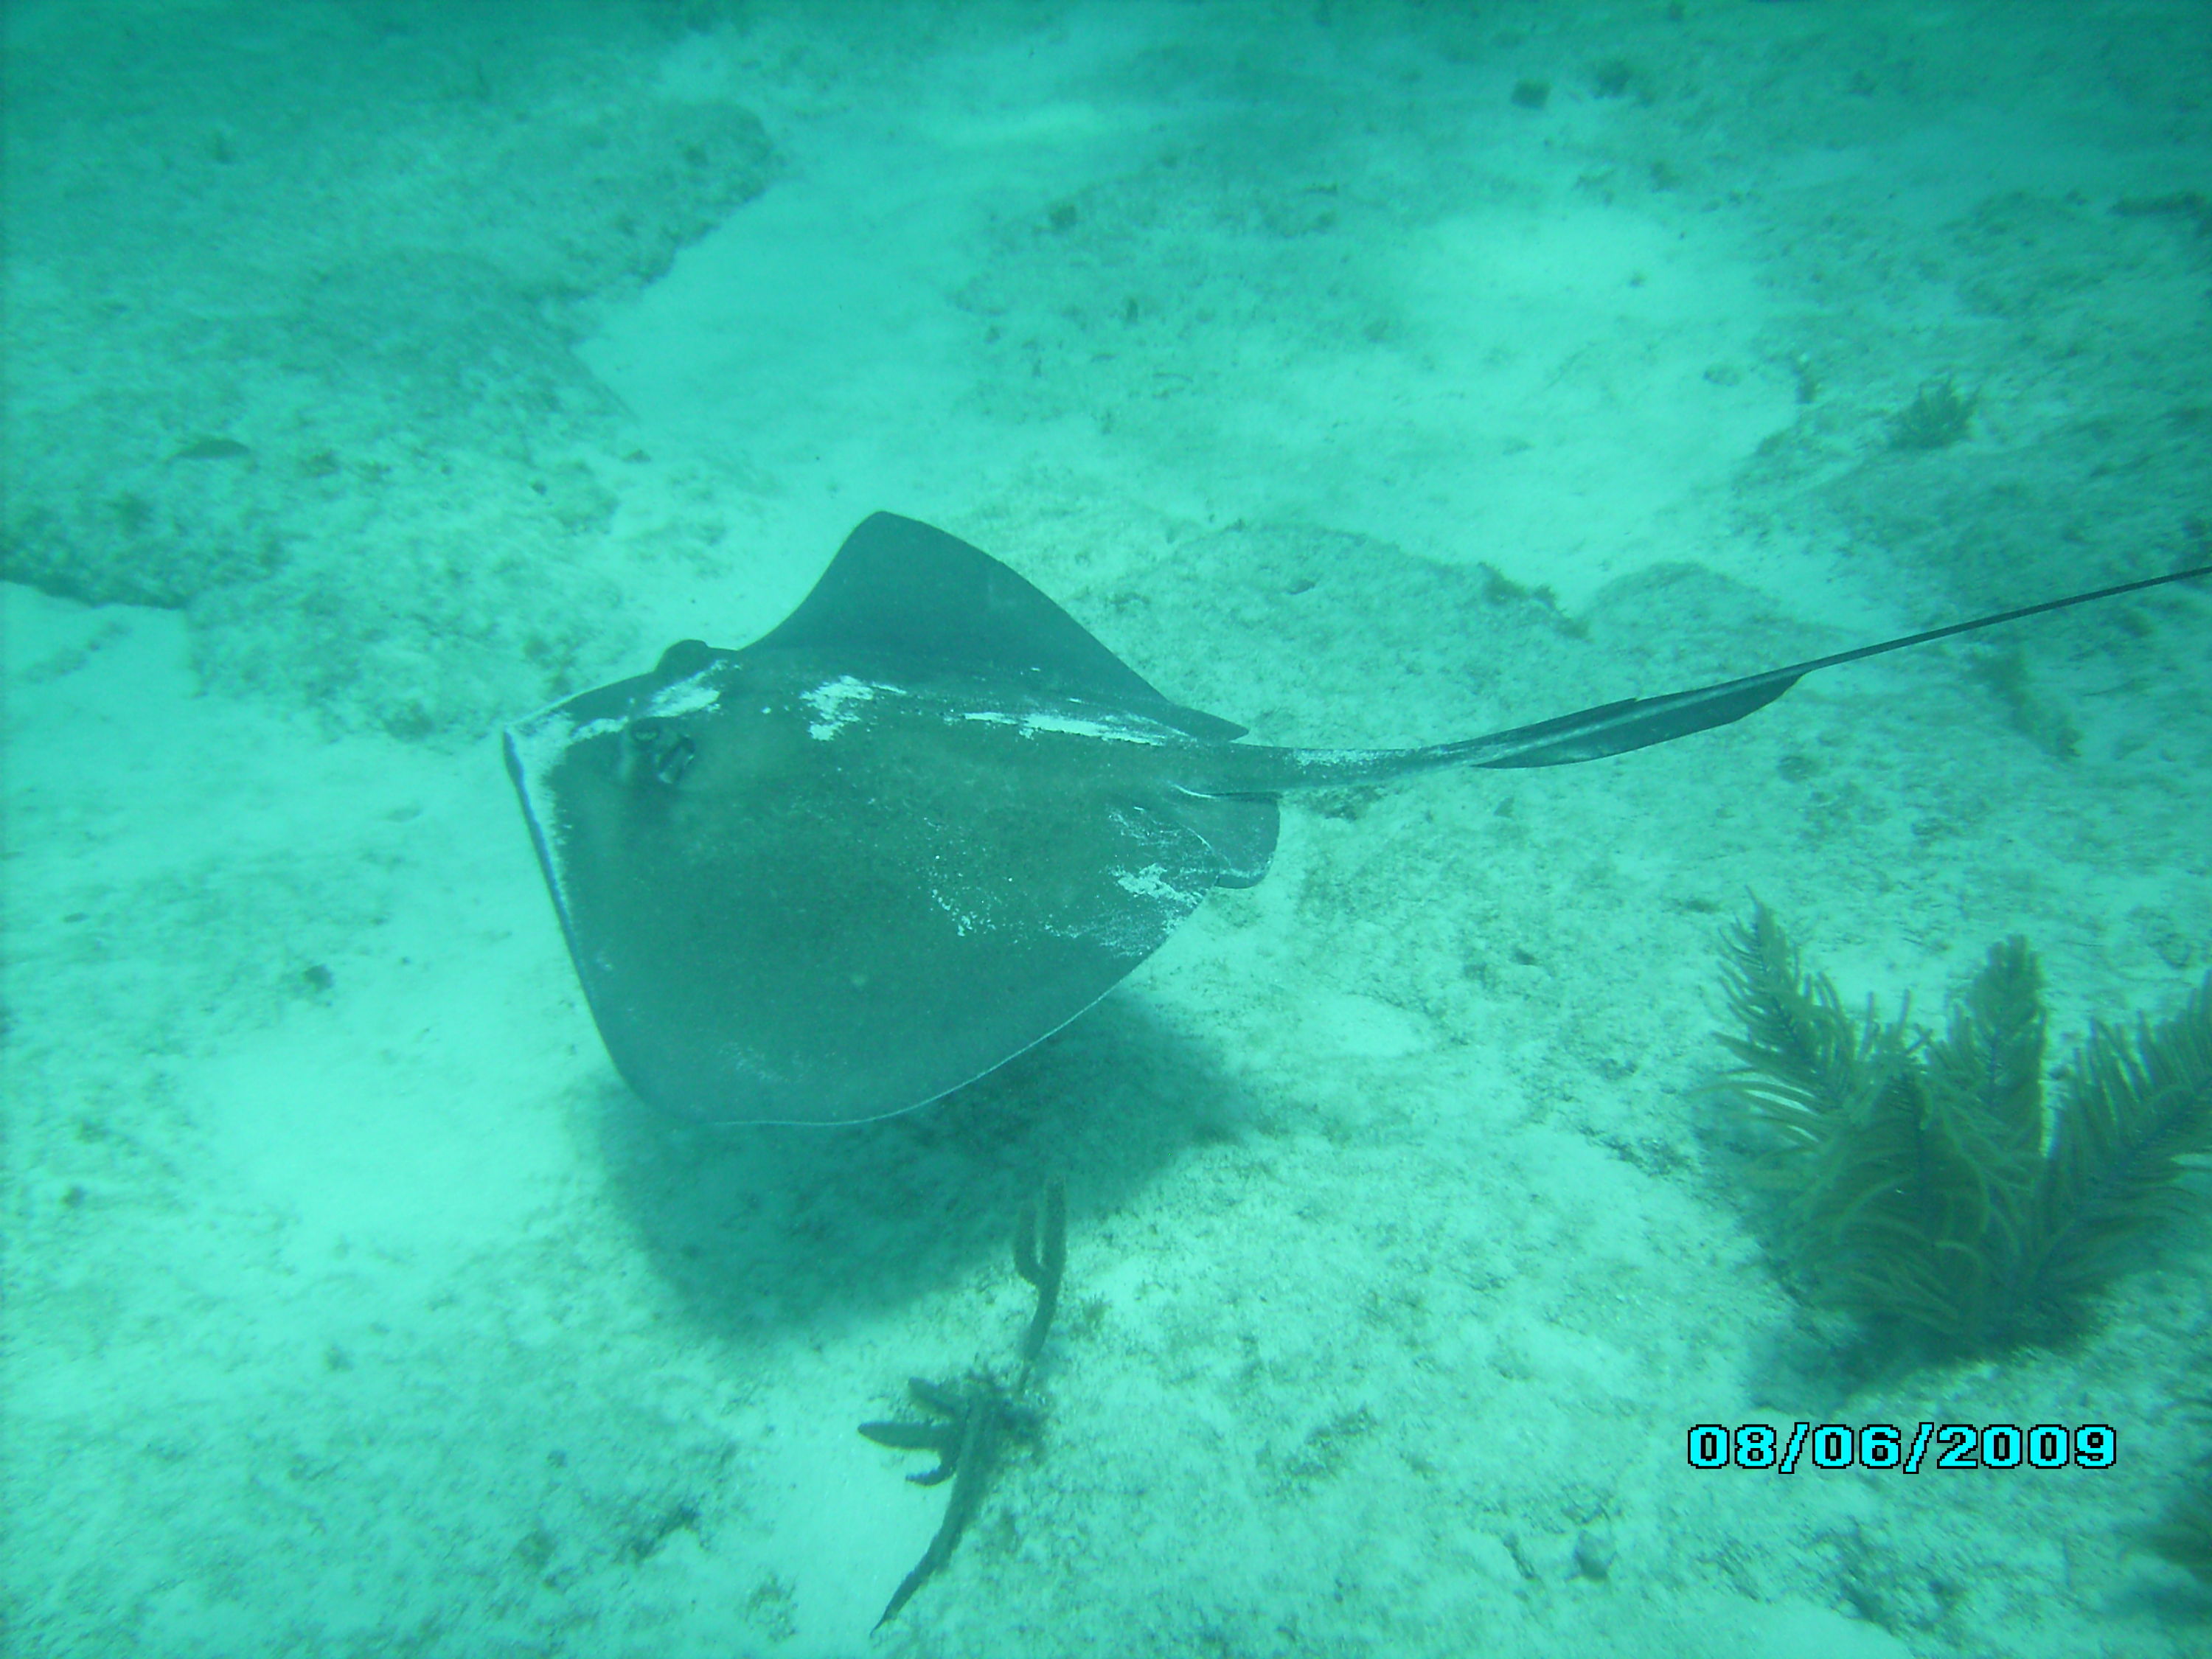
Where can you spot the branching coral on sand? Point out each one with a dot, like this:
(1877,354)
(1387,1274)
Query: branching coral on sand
(1923,1189)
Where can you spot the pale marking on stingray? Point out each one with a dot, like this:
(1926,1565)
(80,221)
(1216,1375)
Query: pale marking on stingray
(962,923)
(1069,725)
(1151,881)
(538,747)
(834,702)
(694,694)
(745,1062)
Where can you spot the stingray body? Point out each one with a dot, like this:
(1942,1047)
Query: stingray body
(921,825)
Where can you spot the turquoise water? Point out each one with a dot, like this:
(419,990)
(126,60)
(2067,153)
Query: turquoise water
(1365,374)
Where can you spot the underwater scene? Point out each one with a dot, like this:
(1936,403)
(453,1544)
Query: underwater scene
(1000,829)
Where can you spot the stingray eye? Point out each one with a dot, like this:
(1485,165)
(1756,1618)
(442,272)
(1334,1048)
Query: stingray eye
(659,747)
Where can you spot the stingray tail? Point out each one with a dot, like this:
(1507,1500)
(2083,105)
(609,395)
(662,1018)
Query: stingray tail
(1612,728)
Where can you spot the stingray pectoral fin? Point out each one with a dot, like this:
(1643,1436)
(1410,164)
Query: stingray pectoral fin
(798,902)
(1240,831)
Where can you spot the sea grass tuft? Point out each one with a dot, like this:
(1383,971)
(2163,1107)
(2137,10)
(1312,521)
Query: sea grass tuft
(1931,1183)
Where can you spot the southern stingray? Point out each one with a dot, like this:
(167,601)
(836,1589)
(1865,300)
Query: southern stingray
(927,820)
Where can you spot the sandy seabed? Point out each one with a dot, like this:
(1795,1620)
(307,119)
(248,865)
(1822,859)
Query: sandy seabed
(1365,374)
